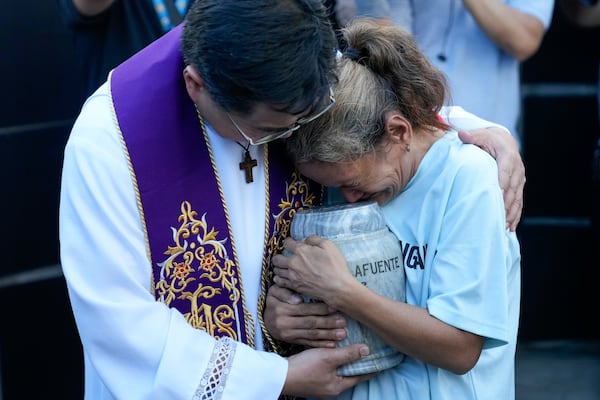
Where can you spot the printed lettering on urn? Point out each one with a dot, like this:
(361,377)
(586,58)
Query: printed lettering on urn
(373,255)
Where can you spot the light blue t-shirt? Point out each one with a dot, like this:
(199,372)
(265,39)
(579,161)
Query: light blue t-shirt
(484,79)
(463,265)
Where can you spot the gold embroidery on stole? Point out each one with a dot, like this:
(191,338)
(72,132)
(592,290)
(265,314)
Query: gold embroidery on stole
(197,248)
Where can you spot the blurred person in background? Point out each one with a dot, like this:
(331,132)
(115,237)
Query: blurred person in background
(478,44)
(106,32)
(398,12)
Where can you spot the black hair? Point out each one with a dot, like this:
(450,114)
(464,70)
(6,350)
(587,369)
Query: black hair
(278,52)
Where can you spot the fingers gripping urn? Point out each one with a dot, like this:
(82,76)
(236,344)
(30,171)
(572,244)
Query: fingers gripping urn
(374,257)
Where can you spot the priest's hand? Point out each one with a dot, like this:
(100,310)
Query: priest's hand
(313,372)
(289,319)
(511,170)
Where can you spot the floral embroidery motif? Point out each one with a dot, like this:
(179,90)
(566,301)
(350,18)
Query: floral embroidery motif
(182,270)
(297,197)
(200,276)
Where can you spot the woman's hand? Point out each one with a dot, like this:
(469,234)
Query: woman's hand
(314,267)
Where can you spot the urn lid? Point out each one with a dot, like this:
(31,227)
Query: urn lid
(339,220)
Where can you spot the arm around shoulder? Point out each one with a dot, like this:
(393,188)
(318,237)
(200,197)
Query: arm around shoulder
(511,171)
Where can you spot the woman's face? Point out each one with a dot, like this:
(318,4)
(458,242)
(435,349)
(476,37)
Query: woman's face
(377,176)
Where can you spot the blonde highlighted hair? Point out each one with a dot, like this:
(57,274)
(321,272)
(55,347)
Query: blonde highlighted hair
(381,70)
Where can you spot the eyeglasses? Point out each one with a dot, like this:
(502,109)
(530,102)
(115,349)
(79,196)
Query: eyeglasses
(278,135)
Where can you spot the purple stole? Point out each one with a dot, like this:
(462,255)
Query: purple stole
(189,242)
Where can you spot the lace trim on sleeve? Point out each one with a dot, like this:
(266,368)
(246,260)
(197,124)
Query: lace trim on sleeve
(212,385)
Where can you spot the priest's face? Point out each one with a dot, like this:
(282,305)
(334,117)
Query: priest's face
(265,134)
(263,124)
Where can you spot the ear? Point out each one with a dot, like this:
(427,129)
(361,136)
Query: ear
(398,129)
(194,83)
